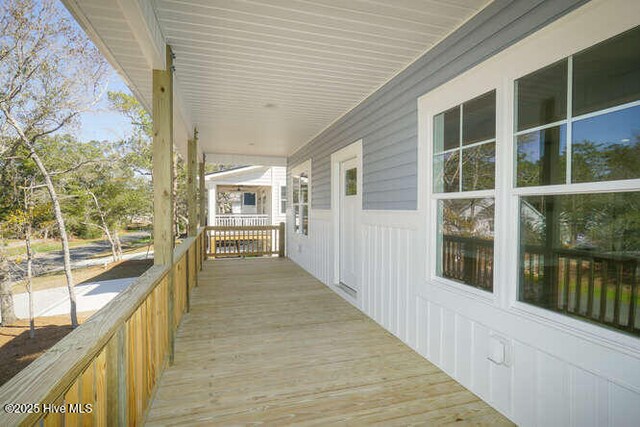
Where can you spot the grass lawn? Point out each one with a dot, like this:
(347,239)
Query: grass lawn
(44,247)
(16,247)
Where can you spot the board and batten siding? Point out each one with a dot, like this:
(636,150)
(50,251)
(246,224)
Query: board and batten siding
(387,121)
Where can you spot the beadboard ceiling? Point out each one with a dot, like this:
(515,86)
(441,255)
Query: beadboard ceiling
(264,77)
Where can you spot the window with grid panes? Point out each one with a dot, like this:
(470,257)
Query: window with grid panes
(577,144)
(464,157)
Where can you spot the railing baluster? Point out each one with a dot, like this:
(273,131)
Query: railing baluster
(633,302)
(567,272)
(578,285)
(604,287)
(618,295)
(590,295)
(257,240)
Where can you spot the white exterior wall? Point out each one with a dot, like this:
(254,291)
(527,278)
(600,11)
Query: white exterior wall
(278,179)
(557,370)
(212,198)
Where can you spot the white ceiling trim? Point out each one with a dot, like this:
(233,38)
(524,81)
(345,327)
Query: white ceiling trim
(243,159)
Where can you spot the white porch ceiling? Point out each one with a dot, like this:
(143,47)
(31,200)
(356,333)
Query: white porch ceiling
(264,77)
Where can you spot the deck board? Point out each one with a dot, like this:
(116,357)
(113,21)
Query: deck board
(265,342)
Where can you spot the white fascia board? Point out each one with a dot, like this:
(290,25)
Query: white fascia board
(245,159)
(216,175)
(144,25)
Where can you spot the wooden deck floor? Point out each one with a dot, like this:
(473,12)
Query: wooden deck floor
(265,342)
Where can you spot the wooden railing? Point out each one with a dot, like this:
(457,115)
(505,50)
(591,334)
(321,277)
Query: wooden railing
(468,260)
(110,365)
(241,220)
(247,241)
(600,287)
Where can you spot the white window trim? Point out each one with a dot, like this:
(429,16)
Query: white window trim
(304,167)
(564,37)
(283,198)
(442,99)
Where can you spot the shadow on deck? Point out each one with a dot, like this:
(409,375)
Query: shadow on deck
(265,342)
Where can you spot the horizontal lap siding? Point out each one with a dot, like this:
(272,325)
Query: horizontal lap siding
(387,120)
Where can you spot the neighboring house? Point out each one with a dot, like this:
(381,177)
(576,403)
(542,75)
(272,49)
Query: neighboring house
(247,195)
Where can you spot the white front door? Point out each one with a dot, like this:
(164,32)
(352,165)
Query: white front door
(349,209)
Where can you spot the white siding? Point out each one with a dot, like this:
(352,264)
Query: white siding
(278,179)
(313,252)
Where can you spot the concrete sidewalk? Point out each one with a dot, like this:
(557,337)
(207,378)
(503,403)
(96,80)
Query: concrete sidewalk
(55,301)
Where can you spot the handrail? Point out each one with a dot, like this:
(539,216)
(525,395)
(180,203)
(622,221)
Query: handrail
(242,215)
(95,354)
(248,240)
(600,287)
(241,220)
(241,227)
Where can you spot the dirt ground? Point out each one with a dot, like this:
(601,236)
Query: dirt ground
(17,350)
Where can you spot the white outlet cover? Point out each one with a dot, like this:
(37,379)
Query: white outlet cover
(498,350)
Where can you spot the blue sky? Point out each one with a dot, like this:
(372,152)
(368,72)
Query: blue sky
(620,127)
(103,123)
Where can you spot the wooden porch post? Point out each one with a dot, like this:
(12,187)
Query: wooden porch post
(203,194)
(163,237)
(163,240)
(192,194)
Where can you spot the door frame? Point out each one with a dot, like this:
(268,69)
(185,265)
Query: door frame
(350,151)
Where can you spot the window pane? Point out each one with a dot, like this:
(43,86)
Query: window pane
(283,199)
(446,130)
(479,167)
(479,119)
(607,147)
(304,188)
(296,189)
(542,96)
(446,172)
(580,254)
(607,74)
(249,199)
(542,157)
(465,241)
(296,218)
(351,182)
(305,220)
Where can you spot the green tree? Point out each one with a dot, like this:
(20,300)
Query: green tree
(49,74)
